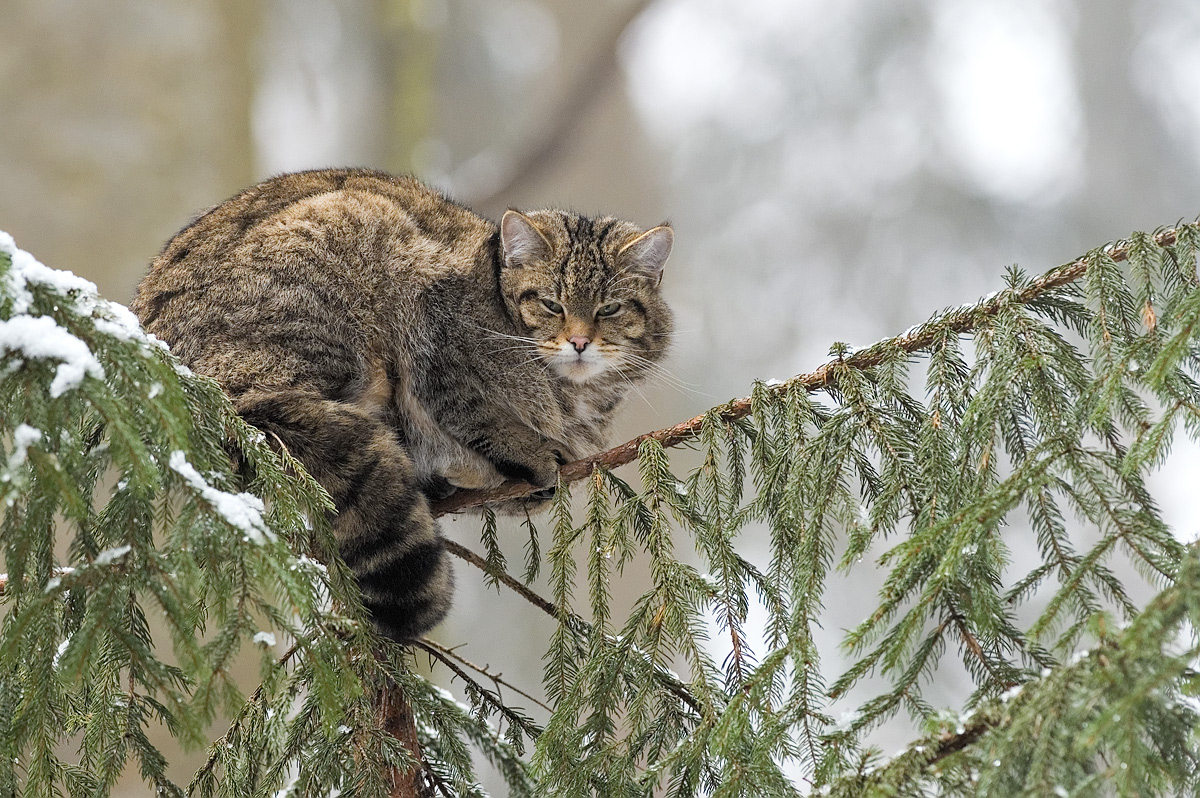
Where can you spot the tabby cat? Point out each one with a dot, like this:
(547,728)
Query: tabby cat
(401,346)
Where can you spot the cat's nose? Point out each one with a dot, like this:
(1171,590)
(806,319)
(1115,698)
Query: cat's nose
(580,342)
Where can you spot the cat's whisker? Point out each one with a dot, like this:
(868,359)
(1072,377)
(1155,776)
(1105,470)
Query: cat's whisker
(656,371)
(664,379)
(632,385)
(669,381)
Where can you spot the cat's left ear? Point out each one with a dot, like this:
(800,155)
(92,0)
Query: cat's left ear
(647,254)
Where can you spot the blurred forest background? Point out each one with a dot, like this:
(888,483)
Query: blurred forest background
(835,171)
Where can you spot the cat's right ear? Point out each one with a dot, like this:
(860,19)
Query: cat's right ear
(521,240)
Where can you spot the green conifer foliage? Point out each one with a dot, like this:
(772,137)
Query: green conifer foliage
(149,536)
(991,463)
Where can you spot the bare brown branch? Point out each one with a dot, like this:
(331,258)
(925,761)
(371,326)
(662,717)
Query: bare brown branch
(445,654)
(560,614)
(824,377)
(396,718)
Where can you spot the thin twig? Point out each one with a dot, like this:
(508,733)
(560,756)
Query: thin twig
(674,686)
(954,743)
(545,605)
(433,648)
(823,378)
(490,698)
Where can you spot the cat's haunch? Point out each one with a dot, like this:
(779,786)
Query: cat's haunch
(401,346)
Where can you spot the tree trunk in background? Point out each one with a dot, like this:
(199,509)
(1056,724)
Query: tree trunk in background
(1125,185)
(121,121)
(410,55)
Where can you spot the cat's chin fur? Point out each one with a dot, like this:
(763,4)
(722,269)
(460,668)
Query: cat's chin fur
(579,370)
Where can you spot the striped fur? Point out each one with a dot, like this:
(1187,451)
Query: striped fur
(400,346)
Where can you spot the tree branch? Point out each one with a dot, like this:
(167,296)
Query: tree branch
(397,719)
(674,686)
(444,654)
(960,321)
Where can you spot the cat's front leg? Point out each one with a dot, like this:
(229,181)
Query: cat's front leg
(522,454)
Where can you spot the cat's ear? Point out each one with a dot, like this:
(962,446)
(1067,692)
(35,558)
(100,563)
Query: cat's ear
(647,254)
(521,240)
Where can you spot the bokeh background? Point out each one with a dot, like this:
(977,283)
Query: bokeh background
(835,170)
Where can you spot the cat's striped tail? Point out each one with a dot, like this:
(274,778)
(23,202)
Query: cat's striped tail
(383,526)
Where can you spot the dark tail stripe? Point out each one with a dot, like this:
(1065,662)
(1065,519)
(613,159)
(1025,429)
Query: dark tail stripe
(356,483)
(411,568)
(386,534)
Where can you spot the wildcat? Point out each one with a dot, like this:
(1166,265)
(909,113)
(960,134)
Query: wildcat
(401,346)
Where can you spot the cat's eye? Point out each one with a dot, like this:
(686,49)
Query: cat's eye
(552,306)
(608,310)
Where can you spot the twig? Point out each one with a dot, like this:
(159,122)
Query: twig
(953,743)
(434,648)
(674,686)
(824,377)
(490,698)
(546,606)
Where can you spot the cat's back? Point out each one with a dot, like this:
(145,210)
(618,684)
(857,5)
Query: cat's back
(326,255)
(340,210)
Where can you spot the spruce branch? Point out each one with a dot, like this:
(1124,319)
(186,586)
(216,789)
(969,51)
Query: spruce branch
(445,655)
(957,321)
(673,685)
(1027,423)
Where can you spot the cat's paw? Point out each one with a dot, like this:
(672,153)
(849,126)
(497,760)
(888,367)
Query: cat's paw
(540,470)
(543,495)
(436,487)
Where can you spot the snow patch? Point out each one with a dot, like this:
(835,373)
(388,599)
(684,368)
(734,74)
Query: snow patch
(62,648)
(24,436)
(265,638)
(28,269)
(307,561)
(242,510)
(108,318)
(121,324)
(41,337)
(111,555)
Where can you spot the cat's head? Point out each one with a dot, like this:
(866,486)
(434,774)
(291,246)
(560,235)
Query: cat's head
(586,291)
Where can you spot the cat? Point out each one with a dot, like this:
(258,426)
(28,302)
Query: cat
(401,347)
